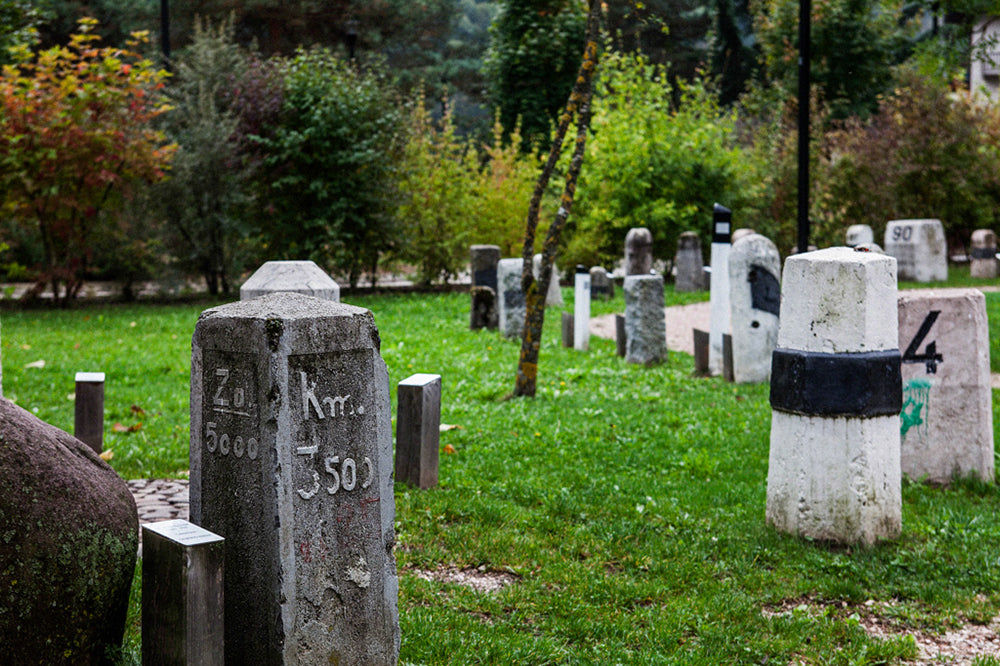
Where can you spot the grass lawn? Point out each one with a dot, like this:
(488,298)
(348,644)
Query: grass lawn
(625,505)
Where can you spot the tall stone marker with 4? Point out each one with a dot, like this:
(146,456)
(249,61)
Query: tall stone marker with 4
(722,222)
(919,248)
(299,277)
(946,425)
(755,299)
(291,462)
(836,392)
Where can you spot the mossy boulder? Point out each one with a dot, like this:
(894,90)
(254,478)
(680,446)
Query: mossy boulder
(68,541)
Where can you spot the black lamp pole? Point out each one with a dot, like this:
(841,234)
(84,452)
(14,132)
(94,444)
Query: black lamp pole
(352,38)
(805,14)
(165,30)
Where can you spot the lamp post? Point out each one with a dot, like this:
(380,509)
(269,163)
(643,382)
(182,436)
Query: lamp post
(805,13)
(352,38)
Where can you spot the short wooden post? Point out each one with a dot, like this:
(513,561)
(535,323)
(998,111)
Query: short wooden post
(182,597)
(88,422)
(567,329)
(418,426)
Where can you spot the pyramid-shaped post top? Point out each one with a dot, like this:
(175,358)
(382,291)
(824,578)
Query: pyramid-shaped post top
(722,224)
(299,277)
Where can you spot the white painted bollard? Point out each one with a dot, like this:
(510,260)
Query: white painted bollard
(298,277)
(581,309)
(859,234)
(946,424)
(510,299)
(755,300)
(836,392)
(919,248)
(722,221)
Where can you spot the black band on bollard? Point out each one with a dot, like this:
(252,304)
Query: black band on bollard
(984,252)
(862,385)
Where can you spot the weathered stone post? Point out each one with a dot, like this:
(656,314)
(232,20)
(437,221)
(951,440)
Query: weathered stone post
(182,595)
(418,430)
(690,263)
(919,248)
(513,307)
(755,299)
(291,462)
(645,326)
(638,251)
(984,254)
(621,335)
(946,424)
(88,410)
(483,291)
(299,277)
(859,234)
(553,297)
(722,222)
(567,329)
(836,393)
(601,285)
(581,309)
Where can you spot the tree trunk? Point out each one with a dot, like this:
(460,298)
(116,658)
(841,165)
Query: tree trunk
(535,290)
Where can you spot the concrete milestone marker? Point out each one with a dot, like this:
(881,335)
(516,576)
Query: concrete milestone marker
(836,392)
(638,251)
(859,234)
(690,263)
(299,277)
(946,425)
(291,462)
(645,325)
(722,222)
(512,308)
(919,248)
(754,299)
(984,254)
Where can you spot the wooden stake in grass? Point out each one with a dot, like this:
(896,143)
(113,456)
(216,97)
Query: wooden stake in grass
(535,291)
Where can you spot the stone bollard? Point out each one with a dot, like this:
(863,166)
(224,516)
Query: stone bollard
(88,417)
(182,595)
(483,261)
(581,309)
(754,300)
(553,297)
(859,234)
(601,286)
(919,248)
(742,232)
(291,462)
(690,263)
(418,430)
(483,312)
(946,424)
(984,254)
(645,325)
(512,307)
(621,337)
(638,251)
(299,277)
(722,221)
(836,393)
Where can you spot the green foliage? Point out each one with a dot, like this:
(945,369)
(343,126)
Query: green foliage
(203,203)
(854,44)
(19,20)
(329,177)
(75,133)
(649,164)
(926,153)
(534,54)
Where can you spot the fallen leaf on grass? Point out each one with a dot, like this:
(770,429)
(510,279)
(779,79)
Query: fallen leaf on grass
(118,427)
(139,411)
(40,363)
(449,449)
(106,455)
(445,427)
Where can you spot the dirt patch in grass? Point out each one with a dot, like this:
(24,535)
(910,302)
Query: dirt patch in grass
(480,580)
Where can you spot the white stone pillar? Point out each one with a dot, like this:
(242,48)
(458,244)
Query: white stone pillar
(984,254)
(581,309)
(920,249)
(859,234)
(755,300)
(722,222)
(511,307)
(298,277)
(836,392)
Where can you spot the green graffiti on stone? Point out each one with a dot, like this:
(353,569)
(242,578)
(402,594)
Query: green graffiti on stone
(916,394)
